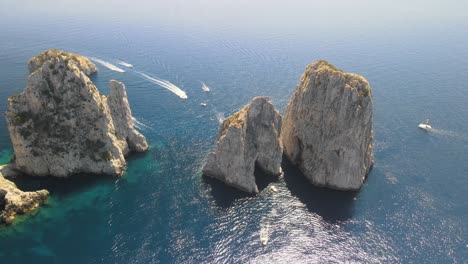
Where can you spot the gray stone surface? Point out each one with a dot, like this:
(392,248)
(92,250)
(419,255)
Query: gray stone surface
(328,127)
(249,138)
(83,63)
(62,125)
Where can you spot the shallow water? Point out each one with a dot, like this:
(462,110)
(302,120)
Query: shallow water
(412,208)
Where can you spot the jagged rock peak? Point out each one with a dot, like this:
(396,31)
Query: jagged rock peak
(328,127)
(61,124)
(83,63)
(248,139)
(123,119)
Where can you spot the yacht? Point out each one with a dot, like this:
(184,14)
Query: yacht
(425,125)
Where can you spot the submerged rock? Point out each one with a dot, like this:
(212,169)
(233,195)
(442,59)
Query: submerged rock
(62,125)
(249,138)
(328,129)
(14,201)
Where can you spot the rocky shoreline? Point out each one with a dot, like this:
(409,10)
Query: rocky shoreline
(61,125)
(13,201)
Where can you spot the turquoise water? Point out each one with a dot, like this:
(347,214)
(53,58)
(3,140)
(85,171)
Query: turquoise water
(413,207)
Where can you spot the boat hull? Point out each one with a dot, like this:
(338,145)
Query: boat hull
(425,127)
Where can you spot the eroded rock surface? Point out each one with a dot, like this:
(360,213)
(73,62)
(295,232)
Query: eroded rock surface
(83,63)
(13,201)
(123,120)
(328,129)
(62,125)
(249,138)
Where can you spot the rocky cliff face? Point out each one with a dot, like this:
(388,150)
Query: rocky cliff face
(61,124)
(249,138)
(14,201)
(122,118)
(83,63)
(328,130)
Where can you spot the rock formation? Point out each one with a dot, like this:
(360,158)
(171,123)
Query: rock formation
(249,138)
(62,125)
(83,63)
(14,201)
(123,120)
(328,130)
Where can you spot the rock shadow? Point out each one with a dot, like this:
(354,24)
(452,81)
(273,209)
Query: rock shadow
(225,195)
(61,186)
(263,179)
(332,205)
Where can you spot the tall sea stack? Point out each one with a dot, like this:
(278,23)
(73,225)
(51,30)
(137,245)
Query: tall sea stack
(61,124)
(328,128)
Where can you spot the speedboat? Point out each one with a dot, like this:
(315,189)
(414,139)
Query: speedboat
(203,104)
(425,125)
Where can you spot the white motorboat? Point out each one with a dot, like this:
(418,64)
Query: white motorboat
(203,104)
(425,125)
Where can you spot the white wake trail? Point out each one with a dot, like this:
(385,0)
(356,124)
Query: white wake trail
(445,133)
(220,117)
(140,125)
(126,64)
(205,87)
(166,84)
(108,65)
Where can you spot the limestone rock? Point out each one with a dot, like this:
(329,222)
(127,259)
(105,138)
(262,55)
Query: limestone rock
(83,63)
(62,125)
(328,129)
(122,117)
(14,201)
(249,138)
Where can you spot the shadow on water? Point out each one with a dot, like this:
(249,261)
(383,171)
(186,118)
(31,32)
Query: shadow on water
(225,195)
(67,185)
(61,186)
(332,205)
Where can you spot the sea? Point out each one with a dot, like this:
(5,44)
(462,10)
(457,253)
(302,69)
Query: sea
(413,207)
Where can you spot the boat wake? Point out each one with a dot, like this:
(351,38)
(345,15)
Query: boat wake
(264,234)
(140,125)
(205,87)
(220,117)
(166,84)
(446,133)
(126,64)
(108,65)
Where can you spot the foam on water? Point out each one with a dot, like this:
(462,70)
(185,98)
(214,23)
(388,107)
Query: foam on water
(108,65)
(205,87)
(447,133)
(165,84)
(126,64)
(140,125)
(220,117)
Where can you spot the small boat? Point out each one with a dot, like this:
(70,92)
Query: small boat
(425,125)
(203,104)
(273,188)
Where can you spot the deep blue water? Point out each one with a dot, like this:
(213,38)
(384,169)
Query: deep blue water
(413,207)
